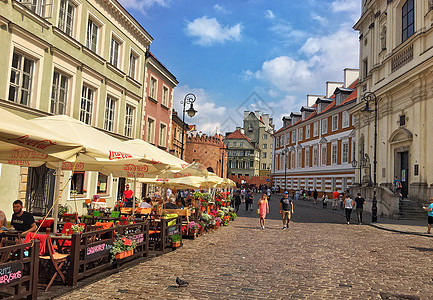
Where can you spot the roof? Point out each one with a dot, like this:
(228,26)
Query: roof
(237,135)
(150,54)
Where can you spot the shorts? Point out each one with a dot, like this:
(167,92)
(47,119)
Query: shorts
(430,220)
(285,213)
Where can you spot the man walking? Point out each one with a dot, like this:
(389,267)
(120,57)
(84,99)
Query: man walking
(429,209)
(359,207)
(286,210)
(237,200)
(315,195)
(335,197)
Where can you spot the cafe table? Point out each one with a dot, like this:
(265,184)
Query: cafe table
(63,241)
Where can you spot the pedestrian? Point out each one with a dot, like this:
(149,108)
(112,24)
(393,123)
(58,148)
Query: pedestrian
(273,190)
(341,200)
(359,207)
(335,196)
(397,186)
(269,194)
(237,200)
(286,209)
(429,210)
(325,200)
(348,206)
(263,209)
(250,199)
(297,195)
(243,194)
(309,194)
(315,195)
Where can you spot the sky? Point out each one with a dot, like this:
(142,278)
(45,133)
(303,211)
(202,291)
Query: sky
(238,55)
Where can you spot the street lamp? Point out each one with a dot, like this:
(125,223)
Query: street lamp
(189,99)
(362,164)
(370,96)
(285,151)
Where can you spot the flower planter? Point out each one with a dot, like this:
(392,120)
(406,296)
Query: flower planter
(175,244)
(193,231)
(124,254)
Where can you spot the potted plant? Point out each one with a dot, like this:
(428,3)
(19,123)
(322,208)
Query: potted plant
(202,227)
(193,227)
(77,228)
(175,240)
(122,247)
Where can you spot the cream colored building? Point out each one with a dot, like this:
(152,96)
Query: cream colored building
(396,50)
(82,58)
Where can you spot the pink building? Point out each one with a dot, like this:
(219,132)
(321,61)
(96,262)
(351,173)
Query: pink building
(159,103)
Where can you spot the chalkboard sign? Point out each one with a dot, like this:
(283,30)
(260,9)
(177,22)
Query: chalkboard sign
(137,238)
(10,272)
(172,232)
(98,250)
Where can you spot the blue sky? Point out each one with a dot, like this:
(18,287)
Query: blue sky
(238,55)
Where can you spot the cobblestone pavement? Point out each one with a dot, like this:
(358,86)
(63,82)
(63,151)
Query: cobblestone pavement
(319,257)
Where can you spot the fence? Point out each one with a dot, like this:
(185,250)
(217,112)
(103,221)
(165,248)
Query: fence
(160,233)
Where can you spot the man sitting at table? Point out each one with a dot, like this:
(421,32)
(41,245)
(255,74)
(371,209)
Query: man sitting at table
(21,220)
(172,203)
(145,203)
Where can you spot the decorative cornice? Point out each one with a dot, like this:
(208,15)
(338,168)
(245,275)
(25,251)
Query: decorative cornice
(93,55)
(30,14)
(66,37)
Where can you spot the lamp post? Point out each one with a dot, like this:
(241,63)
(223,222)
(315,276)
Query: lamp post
(189,99)
(285,151)
(362,164)
(370,96)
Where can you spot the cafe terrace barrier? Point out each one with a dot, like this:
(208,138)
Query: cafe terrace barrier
(19,267)
(160,233)
(90,251)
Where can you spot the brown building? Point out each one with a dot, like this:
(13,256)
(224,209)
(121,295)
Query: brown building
(210,151)
(175,146)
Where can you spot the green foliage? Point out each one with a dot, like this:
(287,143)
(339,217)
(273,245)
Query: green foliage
(175,238)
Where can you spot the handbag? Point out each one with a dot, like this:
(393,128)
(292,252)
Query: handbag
(258,211)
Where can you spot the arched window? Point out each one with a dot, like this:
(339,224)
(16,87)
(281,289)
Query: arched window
(408,20)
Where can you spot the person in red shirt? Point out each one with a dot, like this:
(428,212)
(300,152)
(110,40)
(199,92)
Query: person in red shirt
(335,197)
(127,196)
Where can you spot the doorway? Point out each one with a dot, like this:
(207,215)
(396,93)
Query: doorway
(121,187)
(40,190)
(404,173)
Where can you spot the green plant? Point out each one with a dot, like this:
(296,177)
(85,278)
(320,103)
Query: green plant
(121,244)
(175,238)
(207,197)
(77,228)
(197,195)
(63,209)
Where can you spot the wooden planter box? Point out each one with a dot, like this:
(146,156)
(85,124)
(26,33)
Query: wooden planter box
(175,244)
(124,254)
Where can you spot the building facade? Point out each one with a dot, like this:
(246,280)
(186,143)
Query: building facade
(159,103)
(84,59)
(178,128)
(314,148)
(259,129)
(396,61)
(210,151)
(243,155)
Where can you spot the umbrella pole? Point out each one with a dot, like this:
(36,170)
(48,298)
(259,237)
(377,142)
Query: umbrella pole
(133,196)
(56,195)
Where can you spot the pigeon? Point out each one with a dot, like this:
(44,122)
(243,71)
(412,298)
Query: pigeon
(180,282)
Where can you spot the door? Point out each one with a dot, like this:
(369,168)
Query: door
(40,190)
(121,187)
(404,176)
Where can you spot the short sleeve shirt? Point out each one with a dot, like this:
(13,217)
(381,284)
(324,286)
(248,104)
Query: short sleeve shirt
(286,204)
(430,213)
(127,194)
(23,222)
(359,202)
(335,195)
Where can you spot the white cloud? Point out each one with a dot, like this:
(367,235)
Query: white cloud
(209,115)
(208,31)
(323,21)
(345,6)
(222,10)
(285,31)
(142,5)
(269,14)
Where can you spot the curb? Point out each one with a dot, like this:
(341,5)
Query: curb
(399,231)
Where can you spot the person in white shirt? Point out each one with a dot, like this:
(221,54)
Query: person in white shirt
(348,206)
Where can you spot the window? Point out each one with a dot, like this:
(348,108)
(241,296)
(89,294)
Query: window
(402,120)
(165,96)
(241,144)
(292,159)
(150,131)
(307,157)
(114,52)
(293,136)
(110,113)
(265,146)
(92,35)
(66,17)
(265,136)
(324,126)
(299,158)
(234,144)
(346,119)
(263,166)
(129,120)
(102,183)
(301,134)
(39,7)
(315,156)
(233,165)
(307,131)
(251,164)
(77,182)
(365,68)
(334,122)
(277,142)
(353,151)
(132,65)
(264,154)
(345,152)
(86,108)
(316,129)
(407,20)
(324,156)
(153,83)
(162,135)
(20,87)
(334,154)
(59,93)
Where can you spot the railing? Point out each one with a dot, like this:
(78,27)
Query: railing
(19,269)
(90,251)
(159,239)
(402,58)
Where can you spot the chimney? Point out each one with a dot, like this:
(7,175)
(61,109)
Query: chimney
(306,111)
(311,99)
(265,118)
(287,121)
(246,113)
(350,75)
(242,131)
(295,116)
(257,113)
(331,86)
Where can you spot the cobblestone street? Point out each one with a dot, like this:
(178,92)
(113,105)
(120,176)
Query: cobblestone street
(319,257)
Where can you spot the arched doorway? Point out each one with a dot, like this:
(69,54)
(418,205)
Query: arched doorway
(401,140)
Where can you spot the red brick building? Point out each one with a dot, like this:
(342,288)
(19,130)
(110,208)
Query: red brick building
(210,151)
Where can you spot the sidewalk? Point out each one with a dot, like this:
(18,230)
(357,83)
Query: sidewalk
(415,227)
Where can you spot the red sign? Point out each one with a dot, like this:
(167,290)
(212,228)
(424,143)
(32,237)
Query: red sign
(136,168)
(70,165)
(118,155)
(19,162)
(25,140)
(23,153)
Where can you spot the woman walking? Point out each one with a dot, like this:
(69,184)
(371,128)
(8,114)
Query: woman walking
(263,209)
(348,206)
(325,200)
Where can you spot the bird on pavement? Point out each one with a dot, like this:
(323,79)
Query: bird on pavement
(180,282)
